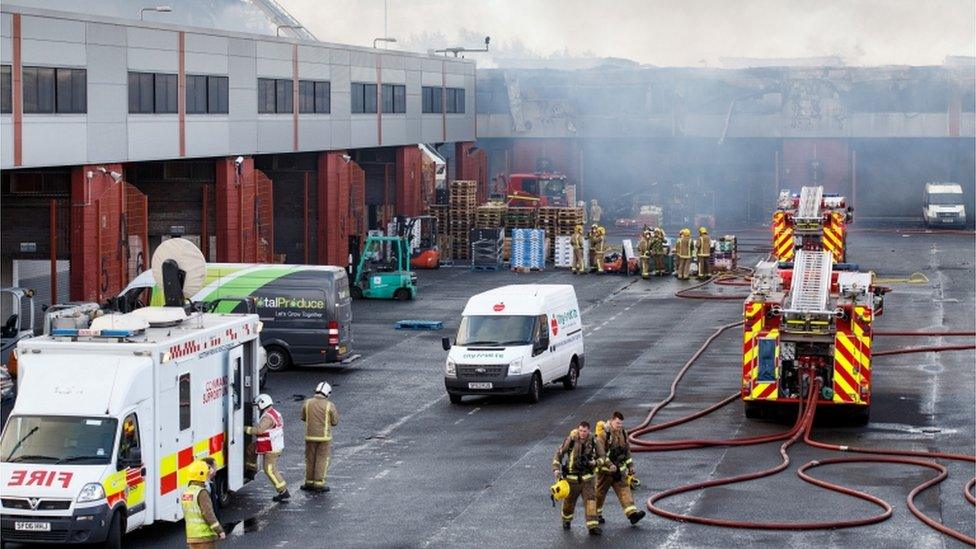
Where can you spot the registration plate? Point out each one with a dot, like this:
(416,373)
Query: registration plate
(948,220)
(32,526)
(479,385)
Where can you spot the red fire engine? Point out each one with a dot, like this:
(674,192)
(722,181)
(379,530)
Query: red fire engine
(811,221)
(537,189)
(809,321)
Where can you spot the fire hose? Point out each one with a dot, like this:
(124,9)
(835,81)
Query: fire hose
(801,429)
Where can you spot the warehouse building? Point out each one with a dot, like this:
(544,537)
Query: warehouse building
(116,134)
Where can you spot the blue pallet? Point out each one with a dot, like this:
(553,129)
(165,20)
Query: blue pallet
(419,325)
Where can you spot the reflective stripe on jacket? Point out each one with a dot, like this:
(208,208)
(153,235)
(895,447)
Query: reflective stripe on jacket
(270,433)
(320,416)
(683,247)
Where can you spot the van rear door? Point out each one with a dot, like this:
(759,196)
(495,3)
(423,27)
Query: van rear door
(234,417)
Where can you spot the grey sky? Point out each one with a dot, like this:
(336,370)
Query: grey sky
(662,32)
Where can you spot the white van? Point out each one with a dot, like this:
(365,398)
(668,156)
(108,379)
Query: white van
(943,204)
(514,339)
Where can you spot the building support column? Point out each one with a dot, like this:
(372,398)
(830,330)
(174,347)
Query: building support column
(409,178)
(471,164)
(232,182)
(88,183)
(333,207)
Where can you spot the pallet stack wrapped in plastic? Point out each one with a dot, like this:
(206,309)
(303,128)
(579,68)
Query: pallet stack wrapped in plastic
(528,250)
(563,252)
(463,201)
(486,249)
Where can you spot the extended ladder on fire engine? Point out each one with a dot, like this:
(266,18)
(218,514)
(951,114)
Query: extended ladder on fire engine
(810,287)
(808,208)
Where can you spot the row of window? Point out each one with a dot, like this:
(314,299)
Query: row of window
(437,100)
(47,90)
(57,90)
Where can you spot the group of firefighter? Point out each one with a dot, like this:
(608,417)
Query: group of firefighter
(319,415)
(652,247)
(588,465)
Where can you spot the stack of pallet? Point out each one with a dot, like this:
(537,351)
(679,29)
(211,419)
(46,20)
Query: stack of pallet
(490,215)
(440,212)
(559,222)
(463,200)
(519,218)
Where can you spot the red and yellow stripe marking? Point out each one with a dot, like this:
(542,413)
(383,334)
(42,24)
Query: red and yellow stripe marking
(752,325)
(782,237)
(833,236)
(172,468)
(127,485)
(852,359)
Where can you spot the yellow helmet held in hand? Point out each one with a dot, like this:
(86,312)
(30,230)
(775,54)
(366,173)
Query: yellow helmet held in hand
(560,490)
(198,471)
(702,230)
(601,427)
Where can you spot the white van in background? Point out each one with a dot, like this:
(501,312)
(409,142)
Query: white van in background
(943,204)
(514,339)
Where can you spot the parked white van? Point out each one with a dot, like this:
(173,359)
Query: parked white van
(943,204)
(514,339)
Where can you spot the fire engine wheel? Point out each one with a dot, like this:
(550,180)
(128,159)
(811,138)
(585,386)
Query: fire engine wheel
(401,294)
(356,292)
(115,531)
(535,389)
(278,358)
(859,415)
(755,410)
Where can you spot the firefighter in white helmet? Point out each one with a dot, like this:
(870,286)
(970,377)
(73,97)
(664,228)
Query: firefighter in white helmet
(320,416)
(269,441)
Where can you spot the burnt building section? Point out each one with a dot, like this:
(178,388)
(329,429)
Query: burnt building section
(723,142)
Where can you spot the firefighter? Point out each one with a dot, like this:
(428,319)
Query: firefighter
(592,236)
(202,526)
(596,212)
(683,253)
(320,416)
(644,251)
(599,244)
(703,245)
(618,470)
(577,242)
(269,441)
(584,455)
(657,251)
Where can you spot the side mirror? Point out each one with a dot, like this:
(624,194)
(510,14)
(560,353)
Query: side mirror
(133,458)
(446,343)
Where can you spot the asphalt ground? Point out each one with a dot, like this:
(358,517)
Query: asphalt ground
(411,470)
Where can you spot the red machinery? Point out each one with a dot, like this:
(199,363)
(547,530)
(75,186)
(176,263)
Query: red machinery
(537,189)
(811,221)
(809,319)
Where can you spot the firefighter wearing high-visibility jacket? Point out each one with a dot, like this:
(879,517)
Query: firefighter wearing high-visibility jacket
(269,441)
(618,470)
(598,248)
(682,254)
(703,247)
(320,416)
(202,526)
(583,457)
(592,236)
(644,252)
(577,243)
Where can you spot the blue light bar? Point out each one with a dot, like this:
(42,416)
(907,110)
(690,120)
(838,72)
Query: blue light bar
(72,332)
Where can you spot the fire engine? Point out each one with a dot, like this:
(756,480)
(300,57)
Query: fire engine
(810,320)
(109,416)
(538,189)
(811,221)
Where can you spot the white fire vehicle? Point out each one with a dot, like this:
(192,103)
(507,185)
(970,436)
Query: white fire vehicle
(108,418)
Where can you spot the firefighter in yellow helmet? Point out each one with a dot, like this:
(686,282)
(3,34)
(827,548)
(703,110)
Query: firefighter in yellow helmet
(592,236)
(619,465)
(658,241)
(598,243)
(583,456)
(644,253)
(577,243)
(703,247)
(683,249)
(202,526)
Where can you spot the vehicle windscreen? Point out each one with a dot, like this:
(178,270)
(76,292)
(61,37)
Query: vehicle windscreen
(58,439)
(495,330)
(945,199)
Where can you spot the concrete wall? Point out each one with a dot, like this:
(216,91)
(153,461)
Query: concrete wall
(109,49)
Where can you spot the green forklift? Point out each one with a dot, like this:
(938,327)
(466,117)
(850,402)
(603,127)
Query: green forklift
(384,271)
